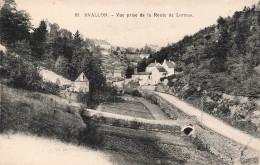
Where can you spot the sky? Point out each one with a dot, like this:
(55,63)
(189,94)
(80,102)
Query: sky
(137,31)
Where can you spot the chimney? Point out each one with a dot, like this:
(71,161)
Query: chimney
(135,70)
(155,61)
(169,60)
(164,61)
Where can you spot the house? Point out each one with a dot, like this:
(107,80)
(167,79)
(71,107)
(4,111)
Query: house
(169,66)
(151,66)
(157,73)
(143,78)
(154,72)
(81,84)
(119,73)
(142,56)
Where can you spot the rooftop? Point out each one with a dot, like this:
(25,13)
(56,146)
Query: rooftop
(152,65)
(81,78)
(161,69)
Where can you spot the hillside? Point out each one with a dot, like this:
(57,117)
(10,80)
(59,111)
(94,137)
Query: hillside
(219,68)
(110,62)
(223,57)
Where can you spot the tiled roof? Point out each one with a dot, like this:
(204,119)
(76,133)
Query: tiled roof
(161,69)
(151,65)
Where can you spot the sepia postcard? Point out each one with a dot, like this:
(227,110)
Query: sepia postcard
(129,82)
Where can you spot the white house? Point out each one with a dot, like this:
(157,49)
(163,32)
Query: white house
(144,78)
(151,66)
(154,72)
(157,73)
(169,66)
(81,84)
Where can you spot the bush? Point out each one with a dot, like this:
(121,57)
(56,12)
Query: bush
(22,74)
(135,125)
(152,98)
(209,106)
(82,97)
(102,120)
(69,110)
(90,134)
(116,123)
(49,88)
(199,144)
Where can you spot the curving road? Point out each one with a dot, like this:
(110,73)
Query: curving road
(213,123)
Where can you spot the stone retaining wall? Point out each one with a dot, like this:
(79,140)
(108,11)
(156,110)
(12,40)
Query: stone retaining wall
(137,123)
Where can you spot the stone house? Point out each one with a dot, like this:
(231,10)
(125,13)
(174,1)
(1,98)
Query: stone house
(81,84)
(169,66)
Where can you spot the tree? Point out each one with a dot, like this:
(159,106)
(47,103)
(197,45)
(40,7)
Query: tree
(38,39)
(220,51)
(62,47)
(91,66)
(23,74)
(141,65)
(14,25)
(22,48)
(221,22)
(62,66)
(129,71)
(147,50)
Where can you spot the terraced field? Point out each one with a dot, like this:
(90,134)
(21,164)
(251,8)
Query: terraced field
(128,108)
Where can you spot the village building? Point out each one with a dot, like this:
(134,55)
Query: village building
(157,73)
(154,72)
(143,78)
(81,84)
(151,66)
(169,66)
(119,73)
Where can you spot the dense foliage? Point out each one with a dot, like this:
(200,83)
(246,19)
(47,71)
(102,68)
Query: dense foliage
(220,58)
(56,49)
